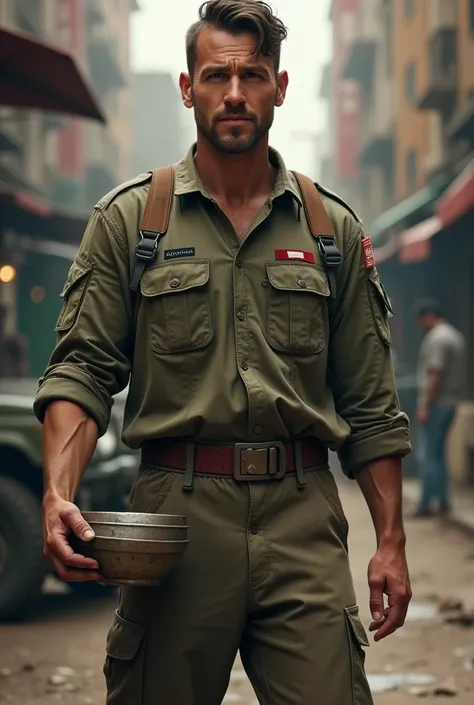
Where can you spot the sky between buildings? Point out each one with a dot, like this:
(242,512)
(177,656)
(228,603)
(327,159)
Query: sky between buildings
(158,33)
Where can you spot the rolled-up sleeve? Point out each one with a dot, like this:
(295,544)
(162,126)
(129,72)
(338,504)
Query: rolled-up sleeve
(91,359)
(360,364)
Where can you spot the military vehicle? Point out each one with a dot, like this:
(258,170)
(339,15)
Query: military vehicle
(105,487)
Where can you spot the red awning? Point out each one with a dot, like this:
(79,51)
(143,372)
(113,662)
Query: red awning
(458,199)
(37,75)
(415,243)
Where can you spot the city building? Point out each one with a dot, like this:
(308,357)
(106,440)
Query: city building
(412,134)
(157,118)
(57,165)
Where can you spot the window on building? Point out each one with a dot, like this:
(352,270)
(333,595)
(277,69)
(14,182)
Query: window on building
(409,8)
(411,168)
(410,83)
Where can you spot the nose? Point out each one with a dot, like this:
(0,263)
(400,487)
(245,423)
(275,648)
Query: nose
(234,95)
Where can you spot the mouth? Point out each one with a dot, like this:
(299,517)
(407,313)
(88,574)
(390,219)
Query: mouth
(234,119)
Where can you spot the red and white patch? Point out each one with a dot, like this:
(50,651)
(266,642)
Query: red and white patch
(295,254)
(369,260)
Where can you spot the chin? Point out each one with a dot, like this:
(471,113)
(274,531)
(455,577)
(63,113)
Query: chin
(231,144)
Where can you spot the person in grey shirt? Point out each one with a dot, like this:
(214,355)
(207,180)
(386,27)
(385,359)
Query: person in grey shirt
(441,370)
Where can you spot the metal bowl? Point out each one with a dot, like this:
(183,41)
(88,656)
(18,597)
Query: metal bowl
(132,561)
(135,518)
(150,532)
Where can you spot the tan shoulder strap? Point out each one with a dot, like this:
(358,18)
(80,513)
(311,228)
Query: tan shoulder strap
(156,216)
(154,222)
(316,214)
(320,227)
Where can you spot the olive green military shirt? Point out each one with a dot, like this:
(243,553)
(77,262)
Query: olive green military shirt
(224,342)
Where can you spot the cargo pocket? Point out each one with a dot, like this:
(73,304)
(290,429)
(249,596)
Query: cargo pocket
(380,305)
(125,662)
(177,306)
(73,294)
(297,309)
(357,638)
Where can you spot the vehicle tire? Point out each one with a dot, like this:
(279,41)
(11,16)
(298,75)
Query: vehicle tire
(22,565)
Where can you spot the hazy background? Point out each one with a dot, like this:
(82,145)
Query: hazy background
(158,43)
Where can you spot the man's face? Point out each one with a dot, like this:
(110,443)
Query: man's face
(426,321)
(233,92)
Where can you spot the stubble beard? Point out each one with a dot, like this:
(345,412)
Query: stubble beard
(237,141)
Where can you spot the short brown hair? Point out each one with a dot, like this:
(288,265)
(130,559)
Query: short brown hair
(238,16)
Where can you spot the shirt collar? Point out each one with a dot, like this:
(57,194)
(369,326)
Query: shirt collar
(187,179)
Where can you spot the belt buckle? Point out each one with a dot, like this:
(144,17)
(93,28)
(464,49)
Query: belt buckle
(259,461)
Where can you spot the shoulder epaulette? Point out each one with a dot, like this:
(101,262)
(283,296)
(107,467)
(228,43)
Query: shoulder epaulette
(109,197)
(338,198)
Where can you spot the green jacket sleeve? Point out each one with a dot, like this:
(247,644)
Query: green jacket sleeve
(360,363)
(91,360)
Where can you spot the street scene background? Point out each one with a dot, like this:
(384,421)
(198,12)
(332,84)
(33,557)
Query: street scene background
(380,110)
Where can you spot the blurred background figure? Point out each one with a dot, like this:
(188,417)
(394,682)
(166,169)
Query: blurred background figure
(441,386)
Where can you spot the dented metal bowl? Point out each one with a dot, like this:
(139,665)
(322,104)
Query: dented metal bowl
(125,561)
(135,518)
(135,548)
(146,532)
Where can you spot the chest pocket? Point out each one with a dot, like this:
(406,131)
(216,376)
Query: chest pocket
(177,306)
(296,315)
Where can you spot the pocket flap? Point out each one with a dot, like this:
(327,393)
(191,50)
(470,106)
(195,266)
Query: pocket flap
(172,277)
(124,638)
(353,619)
(77,271)
(297,277)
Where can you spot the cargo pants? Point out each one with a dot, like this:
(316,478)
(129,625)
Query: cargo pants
(266,572)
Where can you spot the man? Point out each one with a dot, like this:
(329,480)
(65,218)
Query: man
(441,371)
(13,350)
(238,335)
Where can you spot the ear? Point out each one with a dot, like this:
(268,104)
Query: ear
(282,85)
(185,84)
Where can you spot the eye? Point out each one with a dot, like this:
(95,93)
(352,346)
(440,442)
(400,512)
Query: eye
(216,76)
(252,75)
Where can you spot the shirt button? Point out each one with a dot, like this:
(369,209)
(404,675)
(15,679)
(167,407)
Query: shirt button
(265,282)
(258,430)
(239,263)
(302,283)
(244,365)
(254,530)
(241,315)
(174,283)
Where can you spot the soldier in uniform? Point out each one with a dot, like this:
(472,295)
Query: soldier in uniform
(256,340)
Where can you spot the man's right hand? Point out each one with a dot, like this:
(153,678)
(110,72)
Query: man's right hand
(60,518)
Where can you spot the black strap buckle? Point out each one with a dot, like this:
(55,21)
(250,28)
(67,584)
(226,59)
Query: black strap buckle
(148,245)
(329,252)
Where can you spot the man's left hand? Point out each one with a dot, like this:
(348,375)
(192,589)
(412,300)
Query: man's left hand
(388,575)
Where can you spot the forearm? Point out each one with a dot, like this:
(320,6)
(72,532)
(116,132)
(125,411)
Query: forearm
(381,485)
(70,438)
(434,385)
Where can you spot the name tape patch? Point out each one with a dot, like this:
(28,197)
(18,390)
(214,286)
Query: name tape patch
(295,254)
(369,260)
(180,252)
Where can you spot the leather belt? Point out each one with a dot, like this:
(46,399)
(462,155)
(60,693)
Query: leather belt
(243,461)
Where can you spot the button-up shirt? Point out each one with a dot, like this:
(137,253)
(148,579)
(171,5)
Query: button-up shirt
(226,341)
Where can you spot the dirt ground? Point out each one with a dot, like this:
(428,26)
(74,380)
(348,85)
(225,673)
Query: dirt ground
(57,657)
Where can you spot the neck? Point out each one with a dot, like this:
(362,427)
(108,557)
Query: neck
(235,178)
